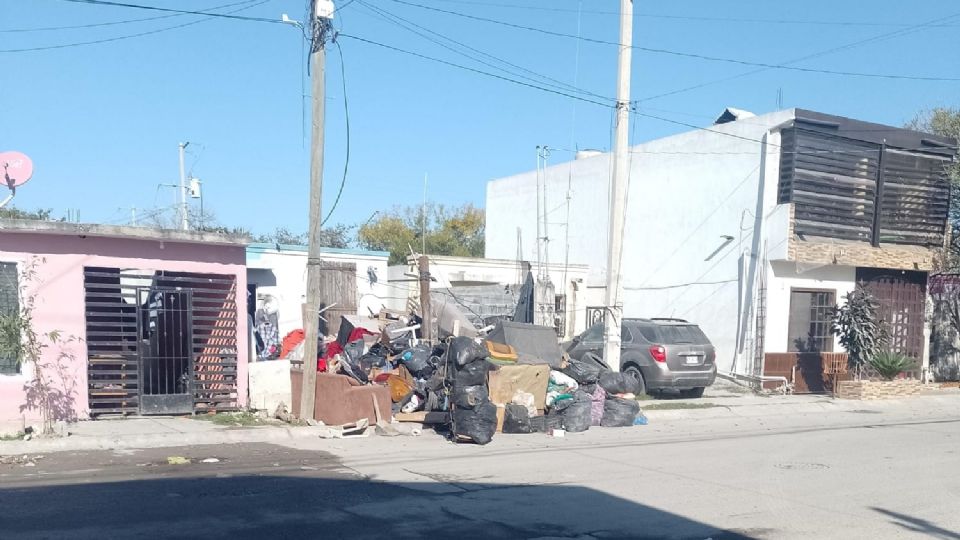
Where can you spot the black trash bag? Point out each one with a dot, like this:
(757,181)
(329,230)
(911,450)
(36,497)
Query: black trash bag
(469,397)
(370,361)
(473,373)
(560,405)
(588,388)
(583,371)
(417,361)
(546,423)
(576,416)
(516,419)
(618,383)
(477,424)
(619,412)
(351,364)
(464,350)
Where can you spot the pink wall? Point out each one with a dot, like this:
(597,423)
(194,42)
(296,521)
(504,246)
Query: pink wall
(60,297)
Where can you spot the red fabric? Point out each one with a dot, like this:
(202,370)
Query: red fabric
(334,348)
(290,342)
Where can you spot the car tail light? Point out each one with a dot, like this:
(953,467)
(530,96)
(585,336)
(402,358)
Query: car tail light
(658,353)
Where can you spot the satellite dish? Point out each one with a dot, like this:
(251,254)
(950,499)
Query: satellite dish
(16,168)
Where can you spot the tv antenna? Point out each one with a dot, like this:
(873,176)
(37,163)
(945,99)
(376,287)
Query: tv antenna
(17,169)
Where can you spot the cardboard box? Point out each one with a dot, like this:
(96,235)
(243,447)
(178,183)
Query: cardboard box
(501,414)
(507,380)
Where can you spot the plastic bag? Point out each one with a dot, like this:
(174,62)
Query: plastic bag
(472,374)
(563,380)
(619,412)
(546,423)
(619,383)
(598,397)
(577,415)
(477,424)
(516,419)
(469,397)
(583,371)
(417,361)
(464,350)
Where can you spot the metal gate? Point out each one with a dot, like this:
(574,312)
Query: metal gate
(902,299)
(166,358)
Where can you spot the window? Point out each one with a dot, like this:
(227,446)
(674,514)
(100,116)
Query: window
(649,333)
(809,326)
(682,335)
(9,305)
(594,333)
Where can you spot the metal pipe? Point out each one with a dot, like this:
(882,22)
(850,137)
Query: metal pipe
(785,386)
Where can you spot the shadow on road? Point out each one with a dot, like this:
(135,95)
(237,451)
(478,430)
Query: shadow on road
(254,506)
(918,525)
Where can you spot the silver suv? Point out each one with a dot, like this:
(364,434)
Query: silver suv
(660,353)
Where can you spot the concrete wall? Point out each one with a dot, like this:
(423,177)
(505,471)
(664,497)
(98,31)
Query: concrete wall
(466,271)
(59,293)
(270,385)
(685,192)
(282,273)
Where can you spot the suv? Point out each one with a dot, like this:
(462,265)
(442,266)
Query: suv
(660,353)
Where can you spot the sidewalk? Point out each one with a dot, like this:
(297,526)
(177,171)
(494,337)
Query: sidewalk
(673,415)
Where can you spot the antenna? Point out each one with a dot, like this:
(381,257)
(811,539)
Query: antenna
(17,170)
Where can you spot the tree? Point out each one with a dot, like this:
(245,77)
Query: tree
(337,236)
(441,230)
(40,214)
(946,122)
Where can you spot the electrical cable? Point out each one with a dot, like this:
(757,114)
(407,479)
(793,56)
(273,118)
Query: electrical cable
(346,115)
(113,23)
(206,17)
(559,84)
(678,285)
(474,70)
(879,37)
(179,11)
(677,53)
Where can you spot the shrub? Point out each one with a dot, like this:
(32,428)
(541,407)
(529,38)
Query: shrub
(890,364)
(862,332)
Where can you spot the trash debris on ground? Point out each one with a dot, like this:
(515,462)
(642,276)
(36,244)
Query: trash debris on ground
(178,460)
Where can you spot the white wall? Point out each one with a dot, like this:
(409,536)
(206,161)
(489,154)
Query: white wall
(288,266)
(685,191)
(783,277)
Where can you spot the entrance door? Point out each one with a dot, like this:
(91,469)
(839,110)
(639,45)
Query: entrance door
(166,355)
(902,299)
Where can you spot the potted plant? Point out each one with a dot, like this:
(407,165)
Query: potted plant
(861,330)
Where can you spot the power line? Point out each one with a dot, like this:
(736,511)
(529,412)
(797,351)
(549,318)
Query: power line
(478,71)
(179,11)
(346,115)
(679,285)
(206,17)
(678,53)
(879,37)
(113,23)
(684,17)
(397,20)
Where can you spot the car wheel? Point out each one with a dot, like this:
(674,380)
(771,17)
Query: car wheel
(693,392)
(634,371)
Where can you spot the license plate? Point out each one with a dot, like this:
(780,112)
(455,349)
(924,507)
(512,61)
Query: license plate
(692,359)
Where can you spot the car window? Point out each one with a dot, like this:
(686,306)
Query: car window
(594,333)
(683,334)
(649,333)
(626,336)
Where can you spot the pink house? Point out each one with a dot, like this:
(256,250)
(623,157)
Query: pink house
(146,321)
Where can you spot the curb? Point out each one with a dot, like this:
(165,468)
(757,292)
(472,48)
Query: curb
(80,443)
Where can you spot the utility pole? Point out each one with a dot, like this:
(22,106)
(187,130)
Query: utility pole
(320,28)
(613,312)
(184,218)
(426,327)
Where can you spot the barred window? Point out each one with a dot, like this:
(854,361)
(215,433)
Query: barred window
(811,312)
(9,305)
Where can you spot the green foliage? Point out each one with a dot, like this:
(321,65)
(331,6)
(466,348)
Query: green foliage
(40,214)
(862,332)
(890,364)
(455,231)
(337,236)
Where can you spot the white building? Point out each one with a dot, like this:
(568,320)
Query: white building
(754,227)
(279,272)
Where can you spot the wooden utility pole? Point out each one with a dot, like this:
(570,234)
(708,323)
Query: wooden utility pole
(426,327)
(613,312)
(320,28)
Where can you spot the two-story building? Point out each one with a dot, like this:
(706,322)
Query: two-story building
(756,227)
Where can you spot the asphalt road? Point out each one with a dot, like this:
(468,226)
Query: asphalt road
(866,474)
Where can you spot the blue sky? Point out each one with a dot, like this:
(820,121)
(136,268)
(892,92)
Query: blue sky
(102,122)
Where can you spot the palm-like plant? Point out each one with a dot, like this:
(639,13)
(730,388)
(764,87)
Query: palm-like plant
(890,364)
